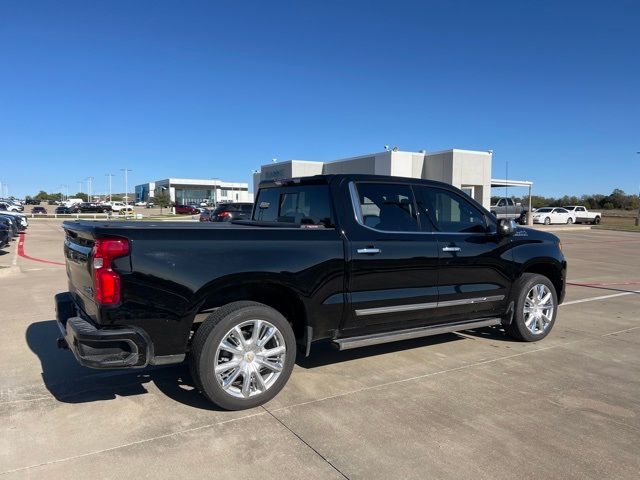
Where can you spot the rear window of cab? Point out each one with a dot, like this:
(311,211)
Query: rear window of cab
(308,205)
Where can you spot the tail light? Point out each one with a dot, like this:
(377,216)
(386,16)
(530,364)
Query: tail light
(224,215)
(106,282)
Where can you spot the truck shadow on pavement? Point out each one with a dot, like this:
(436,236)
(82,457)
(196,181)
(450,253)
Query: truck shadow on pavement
(70,382)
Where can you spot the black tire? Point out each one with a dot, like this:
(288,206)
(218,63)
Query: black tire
(596,221)
(211,333)
(517,328)
(569,221)
(547,221)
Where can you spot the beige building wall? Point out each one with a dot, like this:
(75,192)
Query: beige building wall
(460,168)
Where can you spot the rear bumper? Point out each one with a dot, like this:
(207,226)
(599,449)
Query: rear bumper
(94,347)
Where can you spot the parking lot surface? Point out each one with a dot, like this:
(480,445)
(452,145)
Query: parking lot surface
(471,405)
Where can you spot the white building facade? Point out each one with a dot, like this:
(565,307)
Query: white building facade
(466,169)
(184,191)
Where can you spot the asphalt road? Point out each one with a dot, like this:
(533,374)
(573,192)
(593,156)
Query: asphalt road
(472,405)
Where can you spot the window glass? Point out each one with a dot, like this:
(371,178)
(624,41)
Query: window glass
(387,206)
(450,211)
(306,205)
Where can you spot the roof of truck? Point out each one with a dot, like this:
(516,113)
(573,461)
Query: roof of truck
(356,177)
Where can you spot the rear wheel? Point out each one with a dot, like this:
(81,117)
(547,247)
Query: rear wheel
(547,221)
(569,221)
(536,307)
(242,355)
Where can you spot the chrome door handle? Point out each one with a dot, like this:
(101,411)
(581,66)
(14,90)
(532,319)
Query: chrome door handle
(369,250)
(451,249)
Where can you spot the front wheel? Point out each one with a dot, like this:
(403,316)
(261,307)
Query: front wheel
(569,221)
(242,355)
(547,221)
(536,307)
(596,221)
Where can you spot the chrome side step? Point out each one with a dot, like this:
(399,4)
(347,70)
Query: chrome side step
(376,338)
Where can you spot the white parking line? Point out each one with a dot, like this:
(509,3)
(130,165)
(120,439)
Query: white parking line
(603,297)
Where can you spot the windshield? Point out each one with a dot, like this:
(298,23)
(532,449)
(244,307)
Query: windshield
(543,210)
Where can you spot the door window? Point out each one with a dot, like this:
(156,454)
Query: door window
(387,206)
(451,212)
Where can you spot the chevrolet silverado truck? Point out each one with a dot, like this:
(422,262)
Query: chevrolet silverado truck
(507,208)
(354,260)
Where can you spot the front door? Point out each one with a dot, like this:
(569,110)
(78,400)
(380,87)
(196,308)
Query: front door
(475,262)
(393,265)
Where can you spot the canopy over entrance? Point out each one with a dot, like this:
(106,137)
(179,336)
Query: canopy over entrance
(497,183)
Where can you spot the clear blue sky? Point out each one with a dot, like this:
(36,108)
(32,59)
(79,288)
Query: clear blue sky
(215,89)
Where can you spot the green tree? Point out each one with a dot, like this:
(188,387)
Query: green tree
(162,199)
(81,195)
(42,196)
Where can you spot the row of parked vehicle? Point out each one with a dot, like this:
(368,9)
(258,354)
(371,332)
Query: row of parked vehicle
(11,224)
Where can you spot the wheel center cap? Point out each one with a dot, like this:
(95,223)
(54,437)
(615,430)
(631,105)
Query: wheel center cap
(249,357)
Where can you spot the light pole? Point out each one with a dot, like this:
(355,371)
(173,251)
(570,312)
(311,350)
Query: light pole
(638,217)
(126,183)
(110,175)
(126,189)
(89,185)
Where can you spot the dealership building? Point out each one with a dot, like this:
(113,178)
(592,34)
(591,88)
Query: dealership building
(184,191)
(466,169)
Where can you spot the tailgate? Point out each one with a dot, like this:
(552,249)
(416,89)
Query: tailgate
(77,252)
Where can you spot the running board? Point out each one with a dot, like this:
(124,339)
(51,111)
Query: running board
(376,338)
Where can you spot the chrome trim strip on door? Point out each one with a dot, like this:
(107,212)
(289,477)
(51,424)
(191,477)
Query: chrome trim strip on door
(425,306)
(470,301)
(395,308)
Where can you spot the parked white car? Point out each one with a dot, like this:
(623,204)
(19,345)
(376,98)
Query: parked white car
(10,207)
(117,206)
(549,215)
(585,216)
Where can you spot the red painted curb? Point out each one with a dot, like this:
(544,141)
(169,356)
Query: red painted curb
(24,255)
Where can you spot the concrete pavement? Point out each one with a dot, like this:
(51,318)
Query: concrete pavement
(471,405)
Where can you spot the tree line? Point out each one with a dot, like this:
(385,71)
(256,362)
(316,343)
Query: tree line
(616,200)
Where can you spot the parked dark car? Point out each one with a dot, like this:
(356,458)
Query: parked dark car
(226,212)
(61,210)
(86,207)
(32,201)
(4,235)
(39,211)
(11,223)
(354,260)
(186,210)
(205,215)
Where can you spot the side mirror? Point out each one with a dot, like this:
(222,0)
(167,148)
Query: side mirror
(506,227)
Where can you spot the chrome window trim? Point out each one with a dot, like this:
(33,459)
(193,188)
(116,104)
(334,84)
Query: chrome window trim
(426,306)
(355,203)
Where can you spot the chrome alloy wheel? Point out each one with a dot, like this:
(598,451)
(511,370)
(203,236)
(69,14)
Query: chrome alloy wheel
(250,358)
(538,309)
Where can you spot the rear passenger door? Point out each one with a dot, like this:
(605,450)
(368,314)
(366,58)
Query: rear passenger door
(392,260)
(474,261)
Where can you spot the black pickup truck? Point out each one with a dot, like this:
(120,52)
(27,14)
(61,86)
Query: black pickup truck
(351,259)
